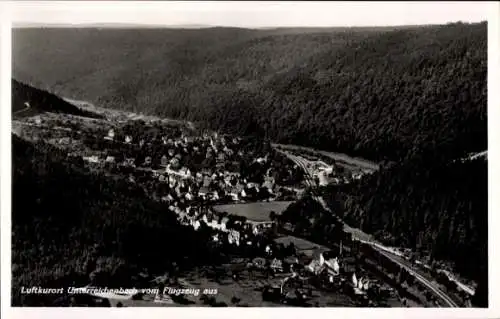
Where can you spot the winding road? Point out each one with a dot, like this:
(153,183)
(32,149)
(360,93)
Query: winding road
(368,239)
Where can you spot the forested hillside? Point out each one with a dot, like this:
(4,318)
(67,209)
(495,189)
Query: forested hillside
(376,93)
(27,101)
(71,227)
(439,209)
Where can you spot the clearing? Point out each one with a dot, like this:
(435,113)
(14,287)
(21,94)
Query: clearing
(258,211)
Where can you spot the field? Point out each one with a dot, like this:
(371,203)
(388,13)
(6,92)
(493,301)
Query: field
(303,245)
(258,211)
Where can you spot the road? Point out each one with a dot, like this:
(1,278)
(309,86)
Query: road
(366,238)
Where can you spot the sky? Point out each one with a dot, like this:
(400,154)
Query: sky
(250,14)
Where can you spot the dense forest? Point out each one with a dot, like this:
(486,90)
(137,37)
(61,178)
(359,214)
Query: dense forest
(430,207)
(376,93)
(439,209)
(71,227)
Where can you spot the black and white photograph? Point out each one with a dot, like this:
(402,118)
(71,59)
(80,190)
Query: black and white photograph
(251,154)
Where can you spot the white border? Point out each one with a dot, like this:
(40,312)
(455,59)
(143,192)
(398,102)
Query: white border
(5,153)
(494,206)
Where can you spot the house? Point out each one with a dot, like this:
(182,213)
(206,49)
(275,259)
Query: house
(164,160)
(174,162)
(206,171)
(91,159)
(203,192)
(333,266)
(234,193)
(237,191)
(269,185)
(110,159)
(322,180)
(129,162)
(206,182)
(277,265)
(215,195)
(196,224)
(110,136)
(261,160)
(64,140)
(256,230)
(253,185)
(221,157)
(234,237)
(128,139)
(185,172)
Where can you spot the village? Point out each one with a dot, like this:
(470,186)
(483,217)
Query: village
(206,179)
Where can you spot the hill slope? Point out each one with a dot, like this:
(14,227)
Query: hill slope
(71,227)
(373,92)
(27,100)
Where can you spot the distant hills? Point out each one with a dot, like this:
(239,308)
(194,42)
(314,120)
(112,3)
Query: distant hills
(109,25)
(379,93)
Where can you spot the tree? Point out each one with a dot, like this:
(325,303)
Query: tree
(272,215)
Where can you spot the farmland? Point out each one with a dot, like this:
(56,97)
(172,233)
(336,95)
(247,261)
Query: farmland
(258,211)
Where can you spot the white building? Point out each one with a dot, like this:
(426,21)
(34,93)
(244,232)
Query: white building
(91,159)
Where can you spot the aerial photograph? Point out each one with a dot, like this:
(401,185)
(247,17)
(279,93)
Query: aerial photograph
(249,155)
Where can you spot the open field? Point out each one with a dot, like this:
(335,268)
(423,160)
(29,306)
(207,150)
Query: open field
(302,245)
(258,211)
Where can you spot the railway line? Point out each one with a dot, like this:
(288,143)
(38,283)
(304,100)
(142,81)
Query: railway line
(366,238)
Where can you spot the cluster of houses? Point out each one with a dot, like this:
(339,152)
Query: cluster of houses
(239,229)
(209,182)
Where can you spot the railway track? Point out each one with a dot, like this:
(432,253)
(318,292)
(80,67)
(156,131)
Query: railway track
(448,301)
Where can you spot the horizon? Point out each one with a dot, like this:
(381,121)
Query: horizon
(249,15)
(117,25)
